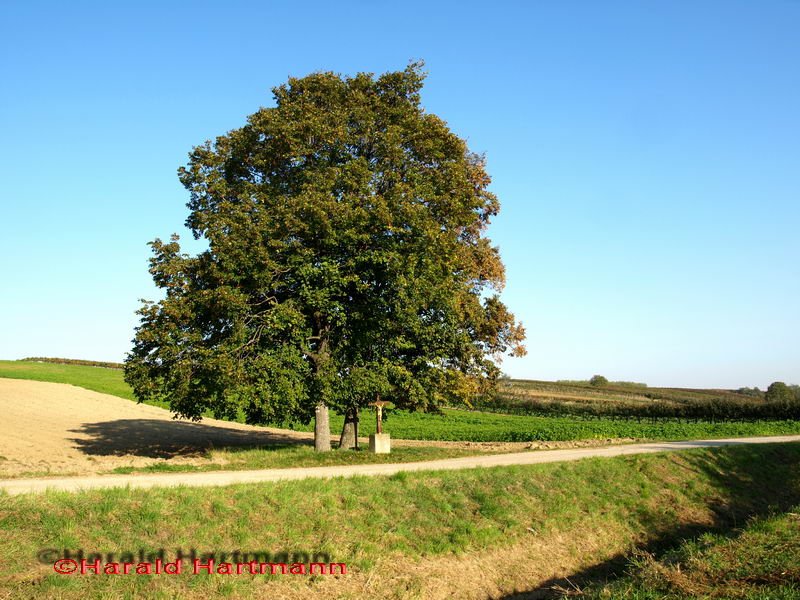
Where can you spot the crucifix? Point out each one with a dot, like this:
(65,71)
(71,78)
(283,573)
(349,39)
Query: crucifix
(379,404)
(379,442)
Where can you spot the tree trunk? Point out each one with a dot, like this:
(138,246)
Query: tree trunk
(349,438)
(322,428)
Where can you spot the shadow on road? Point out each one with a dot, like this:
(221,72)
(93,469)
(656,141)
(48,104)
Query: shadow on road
(156,438)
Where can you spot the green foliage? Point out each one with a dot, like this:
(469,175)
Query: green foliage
(598,381)
(754,392)
(779,392)
(346,260)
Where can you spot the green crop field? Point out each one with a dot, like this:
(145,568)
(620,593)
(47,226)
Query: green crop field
(475,426)
(452,424)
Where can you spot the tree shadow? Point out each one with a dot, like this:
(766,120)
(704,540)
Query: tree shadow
(749,482)
(154,438)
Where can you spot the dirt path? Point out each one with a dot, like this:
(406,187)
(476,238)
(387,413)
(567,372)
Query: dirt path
(233,477)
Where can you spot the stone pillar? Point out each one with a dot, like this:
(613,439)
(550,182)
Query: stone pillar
(380,443)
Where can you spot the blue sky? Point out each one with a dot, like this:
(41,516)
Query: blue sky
(646,154)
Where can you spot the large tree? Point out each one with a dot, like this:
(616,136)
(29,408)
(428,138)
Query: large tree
(779,392)
(346,262)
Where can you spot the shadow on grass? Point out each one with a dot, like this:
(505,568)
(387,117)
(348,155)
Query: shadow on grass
(750,481)
(155,438)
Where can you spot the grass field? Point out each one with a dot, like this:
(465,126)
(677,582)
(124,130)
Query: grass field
(759,561)
(453,425)
(475,533)
(294,456)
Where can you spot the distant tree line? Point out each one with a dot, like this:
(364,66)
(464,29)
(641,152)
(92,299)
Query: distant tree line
(780,392)
(746,391)
(74,361)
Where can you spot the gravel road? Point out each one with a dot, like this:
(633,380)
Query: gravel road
(218,478)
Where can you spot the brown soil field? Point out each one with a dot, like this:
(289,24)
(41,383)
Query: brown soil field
(64,429)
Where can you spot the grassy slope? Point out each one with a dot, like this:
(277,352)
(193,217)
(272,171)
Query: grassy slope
(583,513)
(453,425)
(757,562)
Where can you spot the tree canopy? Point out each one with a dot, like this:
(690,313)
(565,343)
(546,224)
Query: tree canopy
(779,392)
(346,259)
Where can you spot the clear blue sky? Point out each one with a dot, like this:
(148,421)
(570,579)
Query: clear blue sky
(646,154)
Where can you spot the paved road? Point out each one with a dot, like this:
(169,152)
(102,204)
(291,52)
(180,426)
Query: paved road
(216,478)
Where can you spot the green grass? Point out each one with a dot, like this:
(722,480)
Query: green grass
(760,561)
(105,381)
(292,456)
(365,522)
(453,425)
